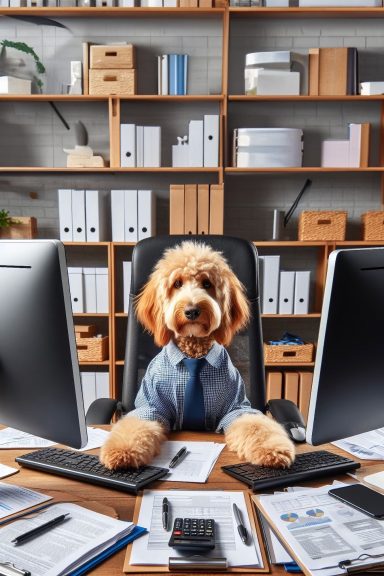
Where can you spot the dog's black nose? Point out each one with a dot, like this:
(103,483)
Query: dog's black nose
(192,313)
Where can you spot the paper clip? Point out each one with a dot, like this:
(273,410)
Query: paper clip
(9,569)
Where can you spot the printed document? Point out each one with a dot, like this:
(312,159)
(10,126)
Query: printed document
(16,498)
(68,545)
(12,438)
(367,446)
(153,549)
(197,464)
(323,531)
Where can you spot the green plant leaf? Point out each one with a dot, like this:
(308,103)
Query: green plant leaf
(23,47)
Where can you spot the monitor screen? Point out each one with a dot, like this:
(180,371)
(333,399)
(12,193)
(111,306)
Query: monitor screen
(348,382)
(40,389)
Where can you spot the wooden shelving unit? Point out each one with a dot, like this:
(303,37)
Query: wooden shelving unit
(114,252)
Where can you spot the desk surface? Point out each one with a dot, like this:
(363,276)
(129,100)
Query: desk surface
(124,503)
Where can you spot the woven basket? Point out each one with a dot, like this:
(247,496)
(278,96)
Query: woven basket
(373,225)
(288,353)
(322,225)
(92,349)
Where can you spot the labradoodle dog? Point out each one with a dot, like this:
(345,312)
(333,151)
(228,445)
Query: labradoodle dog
(193,304)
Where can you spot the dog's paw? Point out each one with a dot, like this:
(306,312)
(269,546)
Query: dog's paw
(132,443)
(260,440)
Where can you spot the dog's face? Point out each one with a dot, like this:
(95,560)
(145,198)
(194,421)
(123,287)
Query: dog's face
(192,292)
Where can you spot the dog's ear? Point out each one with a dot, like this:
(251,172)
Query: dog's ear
(149,313)
(235,313)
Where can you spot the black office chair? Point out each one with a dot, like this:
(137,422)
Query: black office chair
(140,348)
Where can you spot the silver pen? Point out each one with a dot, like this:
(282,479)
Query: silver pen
(240,526)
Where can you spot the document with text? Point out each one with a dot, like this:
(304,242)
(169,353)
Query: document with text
(153,549)
(16,498)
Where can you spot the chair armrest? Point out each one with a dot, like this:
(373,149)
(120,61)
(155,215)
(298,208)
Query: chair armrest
(101,411)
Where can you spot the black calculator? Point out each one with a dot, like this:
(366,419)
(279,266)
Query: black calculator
(193,534)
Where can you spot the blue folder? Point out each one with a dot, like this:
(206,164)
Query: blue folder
(136,532)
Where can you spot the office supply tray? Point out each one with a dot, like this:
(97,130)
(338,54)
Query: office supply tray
(88,468)
(307,466)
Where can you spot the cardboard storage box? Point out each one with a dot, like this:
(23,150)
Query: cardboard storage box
(91,348)
(373,225)
(114,81)
(322,225)
(112,57)
(286,353)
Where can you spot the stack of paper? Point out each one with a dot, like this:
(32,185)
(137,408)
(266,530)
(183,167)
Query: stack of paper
(80,541)
(367,446)
(12,438)
(196,466)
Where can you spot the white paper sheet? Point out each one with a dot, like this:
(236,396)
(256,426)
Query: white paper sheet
(367,446)
(7,471)
(197,464)
(12,438)
(324,531)
(16,498)
(153,547)
(59,550)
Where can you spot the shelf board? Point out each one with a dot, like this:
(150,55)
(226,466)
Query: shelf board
(304,98)
(314,315)
(104,363)
(90,98)
(107,170)
(317,12)
(121,315)
(288,364)
(91,315)
(291,243)
(358,243)
(108,12)
(301,169)
(87,244)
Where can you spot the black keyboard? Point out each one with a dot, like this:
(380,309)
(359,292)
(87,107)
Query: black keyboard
(88,468)
(307,466)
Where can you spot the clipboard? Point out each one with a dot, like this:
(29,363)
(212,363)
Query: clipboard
(352,568)
(148,569)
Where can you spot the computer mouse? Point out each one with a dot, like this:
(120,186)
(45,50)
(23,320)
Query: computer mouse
(289,416)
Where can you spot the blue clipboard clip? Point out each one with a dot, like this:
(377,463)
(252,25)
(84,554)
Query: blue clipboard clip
(9,569)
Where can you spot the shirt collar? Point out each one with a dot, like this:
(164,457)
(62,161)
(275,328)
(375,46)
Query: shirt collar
(214,357)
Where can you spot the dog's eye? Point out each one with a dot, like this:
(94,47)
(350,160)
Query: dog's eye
(206,284)
(177,284)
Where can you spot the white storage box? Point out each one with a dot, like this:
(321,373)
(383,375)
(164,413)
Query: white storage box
(274,147)
(11,85)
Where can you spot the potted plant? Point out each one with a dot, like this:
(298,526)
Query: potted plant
(20,227)
(23,47)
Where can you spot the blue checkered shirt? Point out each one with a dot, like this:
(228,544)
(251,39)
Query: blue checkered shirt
(161,395)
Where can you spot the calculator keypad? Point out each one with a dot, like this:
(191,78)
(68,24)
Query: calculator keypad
(193,534)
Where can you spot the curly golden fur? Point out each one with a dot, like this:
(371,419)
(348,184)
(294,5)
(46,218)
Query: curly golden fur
(192,276)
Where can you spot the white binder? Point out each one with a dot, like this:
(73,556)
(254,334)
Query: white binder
(65,215)
(211,140)
(117,212)
(271,284)
(102,290)
(95,216)
(89,279)
(78,215)
(260,260)
(164,73)
(128,145)
(152,146)
(127,272)
(302,286)
(88,385)
(130,216)
(195,143)
(146,214)
(286,291)
(102,385)
(140,146)
(75,277)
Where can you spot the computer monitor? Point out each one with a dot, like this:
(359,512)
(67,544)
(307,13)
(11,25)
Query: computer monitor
(40,388)
(348,382)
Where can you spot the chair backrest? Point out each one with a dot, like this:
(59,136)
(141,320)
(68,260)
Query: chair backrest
(140,348)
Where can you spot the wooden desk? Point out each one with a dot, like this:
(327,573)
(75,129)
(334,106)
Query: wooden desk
(124,503)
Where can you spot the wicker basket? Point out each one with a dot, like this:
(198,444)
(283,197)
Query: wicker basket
(322,225)
(373,225)
(92,349)
(288,353)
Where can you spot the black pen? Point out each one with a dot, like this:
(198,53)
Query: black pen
(40,529)
(240,526)
(178,457)
(165,513)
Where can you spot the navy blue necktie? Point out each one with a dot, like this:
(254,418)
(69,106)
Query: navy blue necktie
(194,413)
